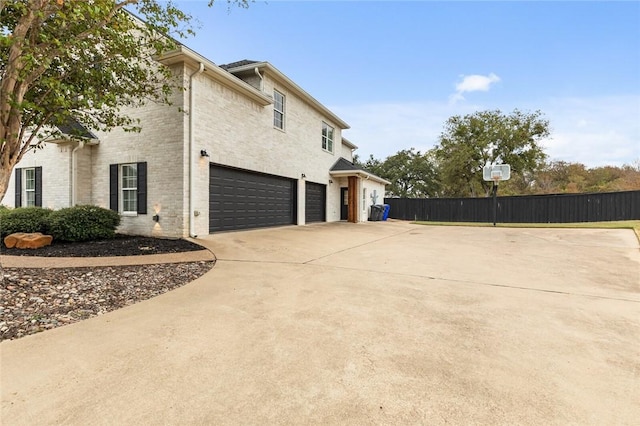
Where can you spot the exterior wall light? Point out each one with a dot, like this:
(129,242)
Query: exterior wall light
(156,217)
(303,176)
(204,153)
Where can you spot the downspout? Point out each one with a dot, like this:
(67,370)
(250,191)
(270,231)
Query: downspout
(192,232)
(257,71)
(74,173)
(363,209)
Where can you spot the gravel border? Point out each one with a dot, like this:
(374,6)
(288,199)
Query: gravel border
(38,299)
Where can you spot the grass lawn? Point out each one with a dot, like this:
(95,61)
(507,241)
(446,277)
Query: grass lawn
(621,224)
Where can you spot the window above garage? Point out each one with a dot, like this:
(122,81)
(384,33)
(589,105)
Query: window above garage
(278,110)
(327,137)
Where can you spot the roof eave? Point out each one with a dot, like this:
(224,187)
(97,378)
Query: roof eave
(359,173)
(68,139)
(348,143)
(279,76)
(188,56)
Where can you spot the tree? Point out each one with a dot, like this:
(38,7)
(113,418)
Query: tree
(558,177)
(80,60)
(411,173)
(469,143)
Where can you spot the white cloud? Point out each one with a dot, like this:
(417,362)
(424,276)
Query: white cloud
(473,83)
(593,131)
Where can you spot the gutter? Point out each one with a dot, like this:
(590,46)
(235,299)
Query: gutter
(187,56)
(192,232)
(257,71)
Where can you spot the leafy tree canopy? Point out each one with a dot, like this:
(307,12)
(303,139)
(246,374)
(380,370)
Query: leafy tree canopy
(82,60)
(412,174)
(473,141)
(558,177)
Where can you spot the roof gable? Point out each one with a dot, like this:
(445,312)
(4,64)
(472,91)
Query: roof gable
(343,164)
(192,59)
(344,167)
(237,64)
(247,67)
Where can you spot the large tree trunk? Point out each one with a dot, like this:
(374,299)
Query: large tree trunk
(5,175)
(12,148)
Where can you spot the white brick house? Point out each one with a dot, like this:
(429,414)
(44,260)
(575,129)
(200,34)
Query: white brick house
(242,147)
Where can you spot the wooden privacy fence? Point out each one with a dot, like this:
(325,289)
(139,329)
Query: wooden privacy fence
(553,208)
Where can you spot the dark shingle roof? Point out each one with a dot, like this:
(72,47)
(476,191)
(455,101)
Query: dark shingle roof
(73,128)
(237,64)
(343,164)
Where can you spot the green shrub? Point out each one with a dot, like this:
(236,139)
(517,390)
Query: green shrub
(83,223)
(23,219)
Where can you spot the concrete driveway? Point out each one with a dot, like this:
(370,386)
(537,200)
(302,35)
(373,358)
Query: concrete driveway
(375,323)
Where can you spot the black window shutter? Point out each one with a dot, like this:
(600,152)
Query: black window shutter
(113,187)
(38,172)
(18,195)
(142,188)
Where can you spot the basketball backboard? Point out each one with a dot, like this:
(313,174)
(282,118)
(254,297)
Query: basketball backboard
(496,172)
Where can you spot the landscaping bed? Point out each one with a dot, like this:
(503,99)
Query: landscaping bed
(121,245)
(39,299)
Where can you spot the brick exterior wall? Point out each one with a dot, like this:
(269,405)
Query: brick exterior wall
(55,160)
(239,133)
(232,128)
(161,145)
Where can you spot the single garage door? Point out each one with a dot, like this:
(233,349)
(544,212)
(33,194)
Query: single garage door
(314,202)
(242,199)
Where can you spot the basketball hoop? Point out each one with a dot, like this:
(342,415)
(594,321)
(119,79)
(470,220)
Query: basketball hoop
(496,176)
(495,173)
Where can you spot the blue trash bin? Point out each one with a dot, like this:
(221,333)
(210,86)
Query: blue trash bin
(385,215)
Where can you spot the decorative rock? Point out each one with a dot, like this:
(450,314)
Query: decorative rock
(24,240)
(58,296)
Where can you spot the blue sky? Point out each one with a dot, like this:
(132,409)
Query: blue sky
(395,71)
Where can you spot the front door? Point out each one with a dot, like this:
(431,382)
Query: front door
(344,203)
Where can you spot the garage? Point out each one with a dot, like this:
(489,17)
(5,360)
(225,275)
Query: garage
(315,201)
(243,199)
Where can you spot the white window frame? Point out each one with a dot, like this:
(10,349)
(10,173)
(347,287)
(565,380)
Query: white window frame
(328,133)
(29,190)
(364,199)
(127,188)
(279,113)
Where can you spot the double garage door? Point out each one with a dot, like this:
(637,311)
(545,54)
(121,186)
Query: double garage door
(242,199)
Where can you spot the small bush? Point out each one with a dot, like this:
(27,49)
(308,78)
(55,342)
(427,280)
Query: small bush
(3,210)
(23,219)
(83,223)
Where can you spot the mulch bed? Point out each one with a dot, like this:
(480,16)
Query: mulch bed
(121,245)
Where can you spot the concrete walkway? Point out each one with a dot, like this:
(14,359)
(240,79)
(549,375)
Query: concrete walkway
(376,323)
